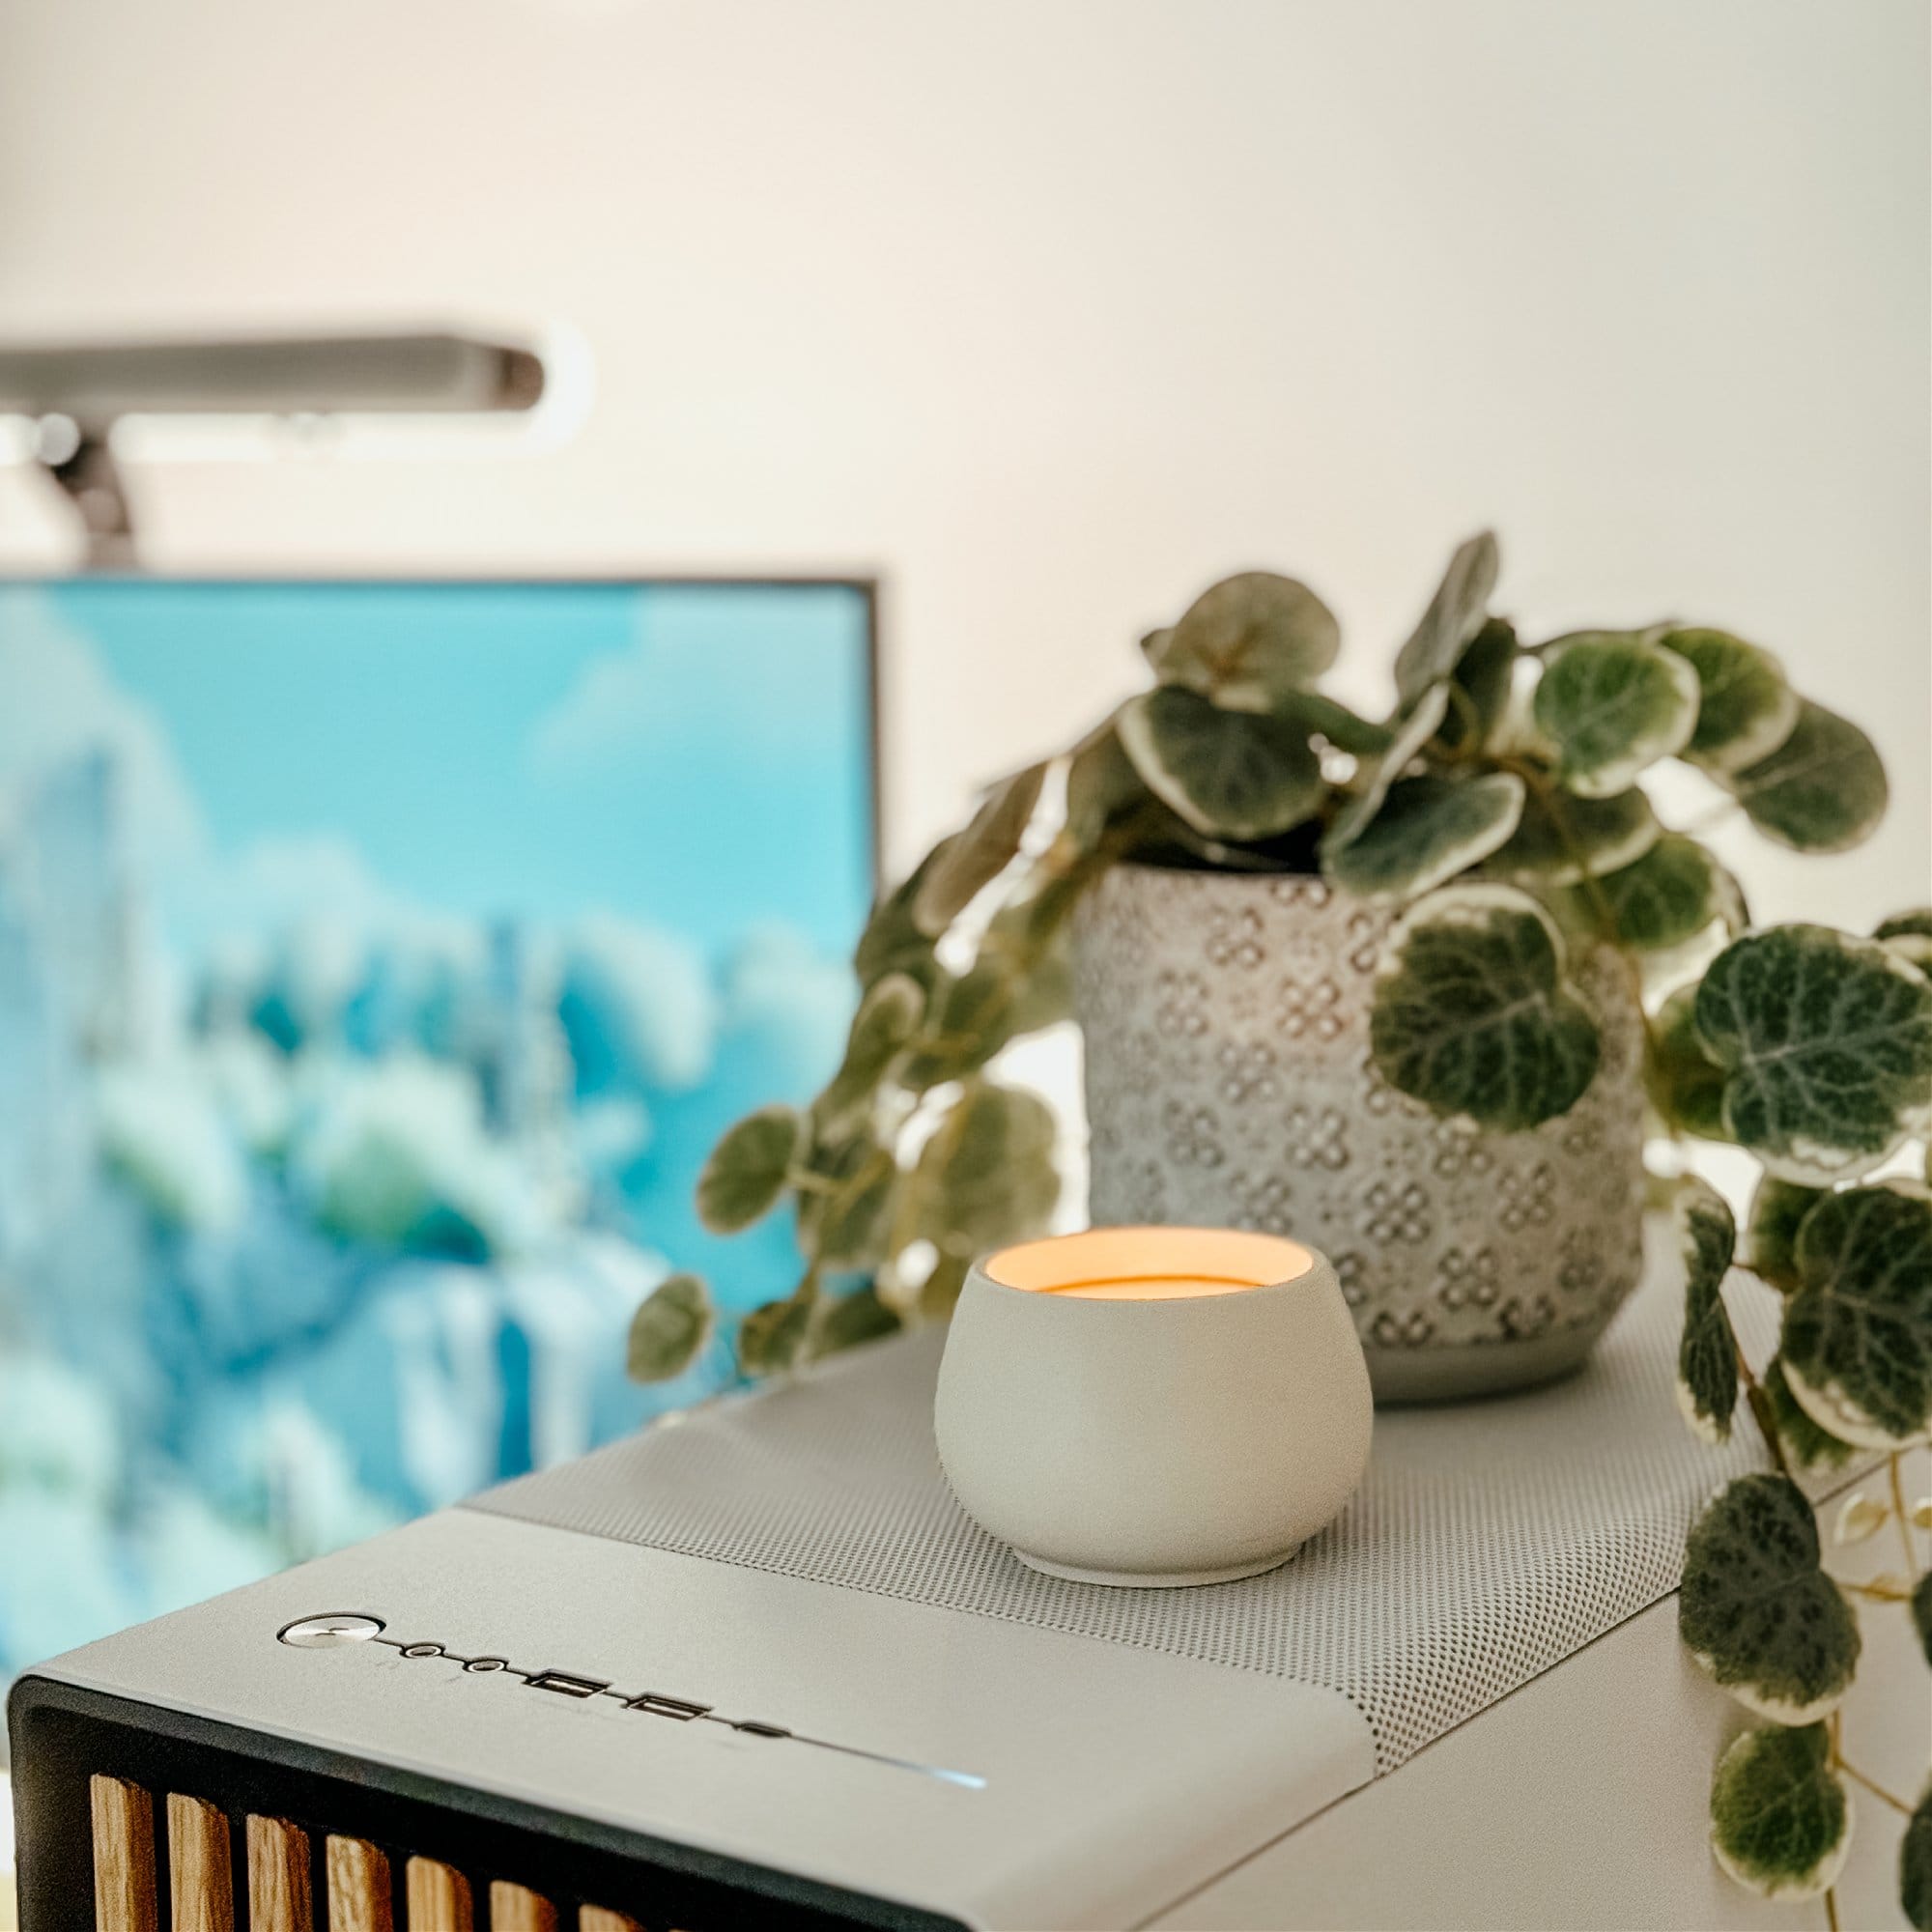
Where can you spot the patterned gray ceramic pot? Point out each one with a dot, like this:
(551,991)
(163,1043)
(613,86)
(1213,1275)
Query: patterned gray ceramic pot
(1230,1084)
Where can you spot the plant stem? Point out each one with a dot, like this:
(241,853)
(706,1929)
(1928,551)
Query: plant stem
(1876,1789)
(1898,1510)
(1551,798)
(1760,1407)
(1877,1592)
(1832,1907)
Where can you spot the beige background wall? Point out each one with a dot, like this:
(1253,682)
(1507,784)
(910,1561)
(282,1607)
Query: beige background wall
(1051,310)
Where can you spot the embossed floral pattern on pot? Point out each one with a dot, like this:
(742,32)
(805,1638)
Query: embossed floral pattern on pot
(1229,1083)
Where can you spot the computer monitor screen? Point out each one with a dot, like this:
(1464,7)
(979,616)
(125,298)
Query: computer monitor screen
(377,962)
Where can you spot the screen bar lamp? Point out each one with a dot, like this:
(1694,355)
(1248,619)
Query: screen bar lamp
(73,394)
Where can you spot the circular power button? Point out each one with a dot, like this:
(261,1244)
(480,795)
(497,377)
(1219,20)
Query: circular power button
(327,1632)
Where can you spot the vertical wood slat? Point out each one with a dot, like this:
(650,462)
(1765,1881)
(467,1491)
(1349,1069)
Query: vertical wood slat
(123,1856)
(201,1880)
(438,1898)
(278,1888)
(358,1887)
(513,1909)
(594,1919)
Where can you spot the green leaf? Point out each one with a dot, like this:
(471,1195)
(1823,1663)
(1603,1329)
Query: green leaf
(1454,616)
(770,1338)
(986,1175)
(1229,774)
(1342,727)
(670,1328)
(1707,1356)
(1858,1332)
(1611,704)
(1909,934)
(973,1017)
(1472,1014)
(848,1226)
(1822,791)
(1780,1822)
(1685,1084)
(1102,787)
(851,1321)
(1560,838)
(1757,1610)
(1914,1866)
(1778,1210)
(890,942)
(1922,1613)
(1481,686)
(1414,729)
(1248,642)
(970,861)
(888,1017)
(1746,709)
(1915,923)
(1813,1451)
(1676,890)
(1827,1044)
(746,1174)
(1428,830)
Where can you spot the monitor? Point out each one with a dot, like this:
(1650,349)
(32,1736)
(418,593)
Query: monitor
(377,962)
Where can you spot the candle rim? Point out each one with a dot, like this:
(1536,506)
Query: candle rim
(1056,1264)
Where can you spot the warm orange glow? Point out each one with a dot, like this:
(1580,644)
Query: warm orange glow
(1150,1263)
(1152,1287)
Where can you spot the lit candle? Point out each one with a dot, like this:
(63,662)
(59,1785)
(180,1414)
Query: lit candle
(1202,1411)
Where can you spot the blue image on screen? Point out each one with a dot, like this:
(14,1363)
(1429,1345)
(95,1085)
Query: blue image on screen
(377,962)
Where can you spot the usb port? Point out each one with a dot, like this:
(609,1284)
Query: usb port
(658,1705)
(565,1685)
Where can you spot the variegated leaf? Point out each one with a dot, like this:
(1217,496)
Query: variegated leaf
(1822,790)
(1781,1825)
(1825,1042)
(1228,774)
(1613,703)
(1428,830)
(1707,1355)
(1858,1332)
(1473,1016)
(1746,709)
(1756,1608)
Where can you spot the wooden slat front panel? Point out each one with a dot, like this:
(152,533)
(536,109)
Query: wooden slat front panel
(358,1887)
(201,1888)
(123,1856)
(438,1898)
(278,1888)
(513,1909)
(201,1880)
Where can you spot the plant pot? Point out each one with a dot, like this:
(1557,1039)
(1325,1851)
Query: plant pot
(1230,1084)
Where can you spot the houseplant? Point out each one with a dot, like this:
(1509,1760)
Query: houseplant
(1459,906)
(1813,1051)
(1505,865)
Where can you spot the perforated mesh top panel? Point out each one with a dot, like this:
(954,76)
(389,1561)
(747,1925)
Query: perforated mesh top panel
(1488,1541)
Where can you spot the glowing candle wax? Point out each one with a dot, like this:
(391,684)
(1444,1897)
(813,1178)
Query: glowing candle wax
(1152,1287)
(1151,1263)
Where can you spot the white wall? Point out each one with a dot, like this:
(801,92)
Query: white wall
(1052,309)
